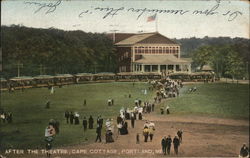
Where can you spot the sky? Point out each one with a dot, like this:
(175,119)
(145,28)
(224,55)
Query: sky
(174,19)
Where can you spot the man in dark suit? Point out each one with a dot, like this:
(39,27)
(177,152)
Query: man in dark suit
(176,143)
(67,116)
(133,121)
(98,134)
(71,117)
(164,145)
(84,123)
(169,141)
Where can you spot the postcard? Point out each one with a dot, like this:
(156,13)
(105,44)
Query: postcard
(123,78)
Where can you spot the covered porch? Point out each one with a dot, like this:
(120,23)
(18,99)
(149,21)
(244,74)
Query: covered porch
(161,64)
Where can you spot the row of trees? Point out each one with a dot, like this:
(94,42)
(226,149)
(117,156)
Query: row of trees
(52,51)
(227,60)
(188,45)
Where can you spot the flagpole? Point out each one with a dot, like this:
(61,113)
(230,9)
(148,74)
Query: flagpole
(156,23)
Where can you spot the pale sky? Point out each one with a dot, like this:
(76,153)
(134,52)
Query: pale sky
(224,18)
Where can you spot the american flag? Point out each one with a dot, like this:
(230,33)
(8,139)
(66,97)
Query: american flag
(151,18)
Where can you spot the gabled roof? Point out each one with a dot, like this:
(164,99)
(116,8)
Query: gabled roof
(154,37)
(119,36)
(161,59)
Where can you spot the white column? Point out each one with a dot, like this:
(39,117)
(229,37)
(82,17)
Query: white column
(133,53)
(174,68)
(159,68)
(189,68)
(142,67)
(181,67)
(150,68)
(179,51)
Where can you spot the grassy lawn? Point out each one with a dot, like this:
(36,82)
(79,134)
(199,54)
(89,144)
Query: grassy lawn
(219,99)
(30,116)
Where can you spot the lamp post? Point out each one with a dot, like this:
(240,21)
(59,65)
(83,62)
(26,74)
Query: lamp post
(18,68)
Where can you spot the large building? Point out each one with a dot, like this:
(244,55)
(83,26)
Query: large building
(149,52)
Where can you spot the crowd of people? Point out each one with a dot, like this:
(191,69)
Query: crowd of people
(166,143)
(165,89)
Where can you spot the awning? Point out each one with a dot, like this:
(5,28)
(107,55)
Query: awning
(161,60)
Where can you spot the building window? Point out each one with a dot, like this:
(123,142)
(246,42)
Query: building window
(147,68)
(146,50)
(160,50)
(154,68)
(153,50)
(170,67)
(126,55)
(142,49)
(178,68)
(136,50)
(139,50)
(149,50)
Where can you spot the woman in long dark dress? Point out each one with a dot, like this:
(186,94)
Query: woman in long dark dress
(91,122)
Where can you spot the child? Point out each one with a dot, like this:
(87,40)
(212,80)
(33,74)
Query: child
(137,138)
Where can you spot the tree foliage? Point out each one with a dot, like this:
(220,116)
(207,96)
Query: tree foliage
(226,60)
(54,51)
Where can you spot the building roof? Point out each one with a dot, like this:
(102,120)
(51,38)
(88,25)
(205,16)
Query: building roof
(119,36)
(154,37)
(21,78)
(43,77)
(206,68)
(161,59)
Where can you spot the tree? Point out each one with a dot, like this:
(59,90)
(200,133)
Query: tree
(234,65)
(203,55)
(57,50)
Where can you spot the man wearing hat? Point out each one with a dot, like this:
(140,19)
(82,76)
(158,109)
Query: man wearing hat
(169,141)
(164,145)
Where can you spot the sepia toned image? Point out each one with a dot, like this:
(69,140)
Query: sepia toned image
(123,78)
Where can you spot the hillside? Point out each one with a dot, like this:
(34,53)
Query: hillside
(50,51)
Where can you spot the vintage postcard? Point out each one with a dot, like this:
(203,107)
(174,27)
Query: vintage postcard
(123,78)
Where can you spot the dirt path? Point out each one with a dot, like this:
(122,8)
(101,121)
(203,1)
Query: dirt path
(202,137)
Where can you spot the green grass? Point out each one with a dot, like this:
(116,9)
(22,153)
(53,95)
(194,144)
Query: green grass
(30,116)
(219,100)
